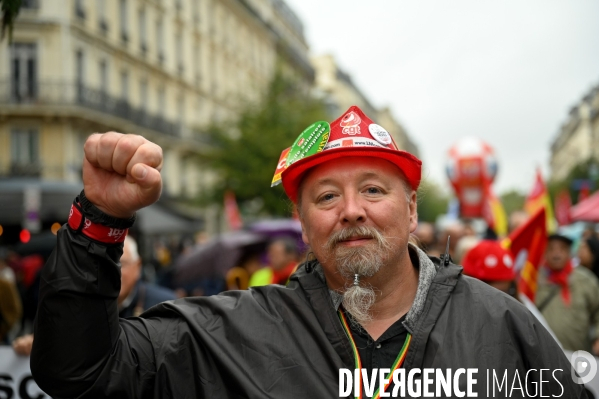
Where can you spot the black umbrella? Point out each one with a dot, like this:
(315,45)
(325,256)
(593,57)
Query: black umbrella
(214,258)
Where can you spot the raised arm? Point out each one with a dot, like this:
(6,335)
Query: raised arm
(80,345)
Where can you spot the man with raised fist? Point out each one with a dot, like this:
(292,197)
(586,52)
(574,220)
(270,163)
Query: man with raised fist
(366,299)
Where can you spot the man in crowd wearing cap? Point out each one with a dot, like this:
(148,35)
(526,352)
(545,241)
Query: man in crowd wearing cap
(366,300)
(489,262)
(568,297)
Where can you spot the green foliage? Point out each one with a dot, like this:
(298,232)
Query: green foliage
(9,10)
(245,153)
(512,200)
(432,201)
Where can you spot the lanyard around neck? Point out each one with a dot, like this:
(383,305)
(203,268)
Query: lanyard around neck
(358,362)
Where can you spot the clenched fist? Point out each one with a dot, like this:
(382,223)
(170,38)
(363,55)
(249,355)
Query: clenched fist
(121,173)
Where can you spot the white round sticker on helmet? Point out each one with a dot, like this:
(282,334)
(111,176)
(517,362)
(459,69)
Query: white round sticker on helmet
(490,261)
(379,133)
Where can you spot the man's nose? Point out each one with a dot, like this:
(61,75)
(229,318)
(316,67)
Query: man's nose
(353,210)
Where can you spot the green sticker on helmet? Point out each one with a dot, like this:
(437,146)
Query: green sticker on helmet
(311,141)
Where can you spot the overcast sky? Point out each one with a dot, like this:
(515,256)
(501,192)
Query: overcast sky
(506,71)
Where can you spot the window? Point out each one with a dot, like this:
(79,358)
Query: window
(181,113)
(24,71)
(101,9)
(103,67)
(196,63)
(79,73)
(79,67)
(160,40)
(29,4)
(196,11)
(124,85)
(143,95)
(143,40)
(161,101)
(123,20)
(24,149)
(179,51)
(80,9)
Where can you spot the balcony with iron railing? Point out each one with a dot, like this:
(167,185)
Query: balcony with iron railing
(52,94)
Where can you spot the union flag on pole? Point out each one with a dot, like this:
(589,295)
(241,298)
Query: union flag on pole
(232,211)
(539,198)
(527,245)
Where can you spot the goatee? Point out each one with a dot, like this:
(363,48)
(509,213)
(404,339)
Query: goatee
(364,261)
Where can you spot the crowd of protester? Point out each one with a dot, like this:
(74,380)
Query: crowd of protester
(567,294)
(144,282)
(567,300)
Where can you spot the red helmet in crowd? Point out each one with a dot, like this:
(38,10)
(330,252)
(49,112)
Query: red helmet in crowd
(488,261)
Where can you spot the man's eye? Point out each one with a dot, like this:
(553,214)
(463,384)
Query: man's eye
(373,190)
(326,197)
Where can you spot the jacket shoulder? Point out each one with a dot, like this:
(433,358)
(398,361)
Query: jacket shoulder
(495,303)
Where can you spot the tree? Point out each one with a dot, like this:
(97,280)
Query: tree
(432,201)
(9,10)
(512,200)
(245,153)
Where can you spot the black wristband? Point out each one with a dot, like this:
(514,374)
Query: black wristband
(94,214)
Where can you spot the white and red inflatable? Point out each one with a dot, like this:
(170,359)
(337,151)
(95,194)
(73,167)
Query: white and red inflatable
(471,169)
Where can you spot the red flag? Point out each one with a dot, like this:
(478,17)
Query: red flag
(539,198)
(527,245)
(232,211)
(562,207)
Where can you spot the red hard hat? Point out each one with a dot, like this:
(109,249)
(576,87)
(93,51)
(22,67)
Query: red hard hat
(488,261)
(354,134)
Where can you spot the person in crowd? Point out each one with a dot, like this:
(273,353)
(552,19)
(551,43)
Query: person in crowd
(427,235)
(22,345)
(6,272)
(588,253)
(568,297)
(368,299)
(489,262)
(464,245)
(136,295)
(517,219)
(453,231)
(282,256)
(11,309)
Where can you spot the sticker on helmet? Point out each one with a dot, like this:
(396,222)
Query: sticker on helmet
(350,123)
(281,166)
(379,133)
(311,141)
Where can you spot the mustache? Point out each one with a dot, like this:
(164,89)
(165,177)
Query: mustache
(356,232)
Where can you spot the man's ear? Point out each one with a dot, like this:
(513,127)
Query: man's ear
(304,234)
(413,211)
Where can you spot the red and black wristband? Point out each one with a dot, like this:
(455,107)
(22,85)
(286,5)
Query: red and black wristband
(95,224)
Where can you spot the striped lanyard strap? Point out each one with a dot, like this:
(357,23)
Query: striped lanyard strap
(397,364)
